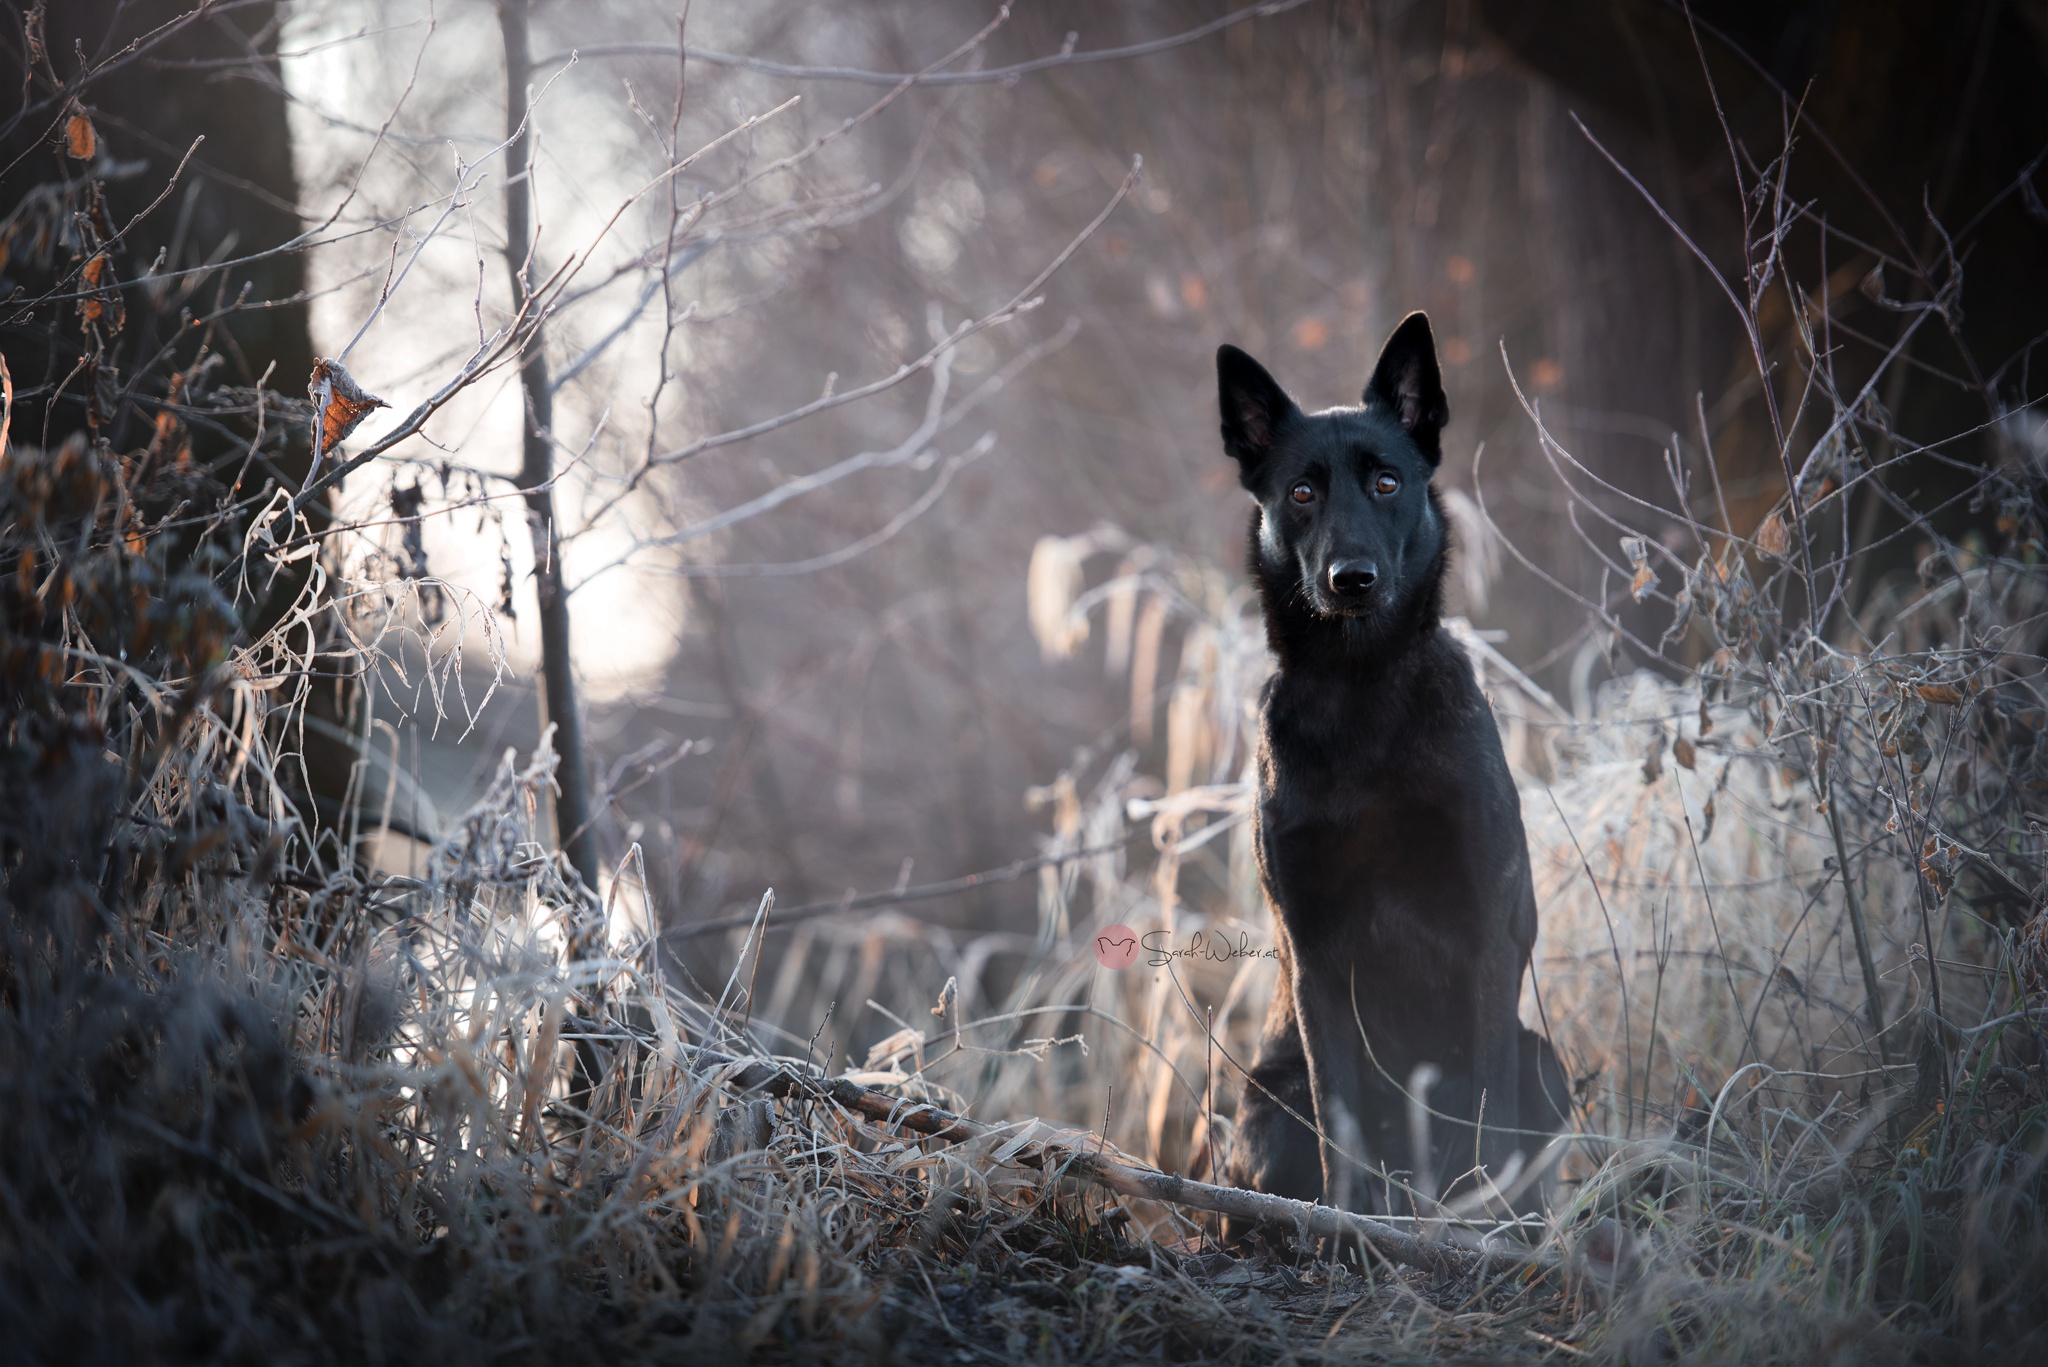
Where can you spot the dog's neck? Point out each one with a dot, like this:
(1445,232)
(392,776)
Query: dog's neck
(1308,644)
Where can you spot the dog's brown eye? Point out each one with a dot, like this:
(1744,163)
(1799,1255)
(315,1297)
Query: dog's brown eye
(1385,484)
(1303,492)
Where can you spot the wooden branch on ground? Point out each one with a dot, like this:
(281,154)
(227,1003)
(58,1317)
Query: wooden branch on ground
(1128,1179)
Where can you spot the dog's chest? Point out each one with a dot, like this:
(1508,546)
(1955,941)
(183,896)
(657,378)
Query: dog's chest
(1363,828)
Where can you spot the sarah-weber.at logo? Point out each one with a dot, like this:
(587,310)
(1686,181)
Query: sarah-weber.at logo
(1117,947)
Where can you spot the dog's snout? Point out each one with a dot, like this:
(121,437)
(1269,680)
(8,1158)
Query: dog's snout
(1351,577)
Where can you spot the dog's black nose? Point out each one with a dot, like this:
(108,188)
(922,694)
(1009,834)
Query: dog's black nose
(1349,577)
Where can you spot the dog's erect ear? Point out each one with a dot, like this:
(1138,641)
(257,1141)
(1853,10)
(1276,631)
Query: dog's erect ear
(1254,405)
(1408,385)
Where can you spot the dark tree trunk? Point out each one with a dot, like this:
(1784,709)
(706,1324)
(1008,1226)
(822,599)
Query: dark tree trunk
(536,471)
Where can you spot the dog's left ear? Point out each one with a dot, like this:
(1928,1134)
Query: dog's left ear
(1407,384)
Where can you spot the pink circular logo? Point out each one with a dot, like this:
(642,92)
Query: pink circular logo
(1116,946)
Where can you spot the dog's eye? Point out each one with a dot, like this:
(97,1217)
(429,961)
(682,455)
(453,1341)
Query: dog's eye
(1303,492)
(1386,483)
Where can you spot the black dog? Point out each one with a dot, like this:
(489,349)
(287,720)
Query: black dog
(1389,835)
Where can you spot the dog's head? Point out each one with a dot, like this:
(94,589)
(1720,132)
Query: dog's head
(1344,498)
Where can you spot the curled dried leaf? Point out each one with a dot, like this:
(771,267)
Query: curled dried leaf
(339,405)
(1682,751)
(1638,552)
(1681,617)
(81,140)
(1772,538)
(1939,693)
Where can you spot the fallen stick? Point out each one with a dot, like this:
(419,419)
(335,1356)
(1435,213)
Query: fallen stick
(1126,1179)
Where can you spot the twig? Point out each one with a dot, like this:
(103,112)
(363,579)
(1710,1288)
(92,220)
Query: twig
(989,75)
(1006,874)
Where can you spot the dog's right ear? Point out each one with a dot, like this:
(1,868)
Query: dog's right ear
(1254,406)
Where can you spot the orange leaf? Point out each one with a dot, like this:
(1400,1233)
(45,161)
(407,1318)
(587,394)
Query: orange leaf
(339,404)
(1939,693)
(94,269)
(79,137)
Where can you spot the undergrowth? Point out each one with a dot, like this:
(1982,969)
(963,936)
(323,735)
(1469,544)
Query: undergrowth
(261,1107)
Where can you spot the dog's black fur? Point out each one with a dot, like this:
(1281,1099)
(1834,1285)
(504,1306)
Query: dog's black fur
(1389,834)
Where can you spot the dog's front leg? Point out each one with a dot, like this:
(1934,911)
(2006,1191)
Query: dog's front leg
(1496,1054)
(1334,1044)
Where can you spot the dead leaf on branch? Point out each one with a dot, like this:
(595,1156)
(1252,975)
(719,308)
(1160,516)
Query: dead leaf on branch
(339,406)
(81,140)
(1939,859)
(1772,538)
(1638,552)
(1939,693)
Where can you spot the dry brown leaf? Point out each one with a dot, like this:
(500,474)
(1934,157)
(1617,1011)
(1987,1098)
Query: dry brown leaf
(1939,693)
(80,138)
(1772,538)
(1638,552)
(339,404)
(1683,752)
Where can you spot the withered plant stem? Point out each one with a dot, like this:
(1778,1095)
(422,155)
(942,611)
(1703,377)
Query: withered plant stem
(896,896)
(1873,1005)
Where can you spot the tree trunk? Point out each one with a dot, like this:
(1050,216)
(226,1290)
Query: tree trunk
(536,470)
